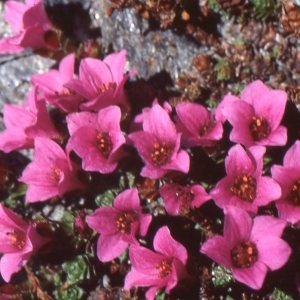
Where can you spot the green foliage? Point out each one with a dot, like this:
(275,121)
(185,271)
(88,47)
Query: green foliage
(105,199)
(15,198)
(216,7)
(73,292)
(265,8)
(223,70)
(78,270)
(279,295)
(220,276)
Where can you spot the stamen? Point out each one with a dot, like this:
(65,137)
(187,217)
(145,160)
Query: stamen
(102,88)
(164,268)
(17,238)
(55,174)
(294,196)
(125,220)
(259,128)
(244,255)
(104,143)
(244,187)
(185,196)
(161,154)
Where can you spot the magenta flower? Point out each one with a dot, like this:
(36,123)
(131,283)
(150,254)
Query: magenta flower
(50,173)
(159,144)
(52,85)
(249,248)
(101,83)
(118,225)
(179,199)
(244,186)
(30,24)
(288,176)
(197,125)
(25,123)
(18,241)
(256,117)
(97,139)
(160,269)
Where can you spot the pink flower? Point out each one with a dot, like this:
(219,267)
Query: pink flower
(244,186)
(256,117)
(160,269)
(159,144)
(197,125)
(118,225)
(50,173)
(52,85)
(250,248)
(288,176)
(25,123)
(30,24)
(97,138)
(101,83)
(18,241)
(179,199)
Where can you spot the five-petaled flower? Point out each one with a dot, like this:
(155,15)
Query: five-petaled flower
(249,247)
(244,186)
(101,83)
(256,116)
(179,199)
(97,138)
(160,269)
(118,225)
(51,84)
(288,176)
(197,125)
(25,123)
(31,25)
(18,241)
(159,144)
(50,174)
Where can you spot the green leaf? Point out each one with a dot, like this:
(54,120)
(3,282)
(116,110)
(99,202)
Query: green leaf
(73,292)
(279,295)
(106,199)
(220,276)
(78,270)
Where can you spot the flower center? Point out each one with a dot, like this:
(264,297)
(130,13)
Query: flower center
(104,143)
(102,88)
(185,196)
(161,154)
(16,238)
(55,174)
(244,187)
(164,268)
(259,128)
(294,196)
(124,221)
(244,255)
(51,39)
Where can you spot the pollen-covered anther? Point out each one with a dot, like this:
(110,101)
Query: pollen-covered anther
(55,174)
(244,187)
(259,128)
(294,196)
(185,197)
(164,268)
(124,221)
(104,143)
(244,255)
(17,238)
(102,88)
(161,154)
